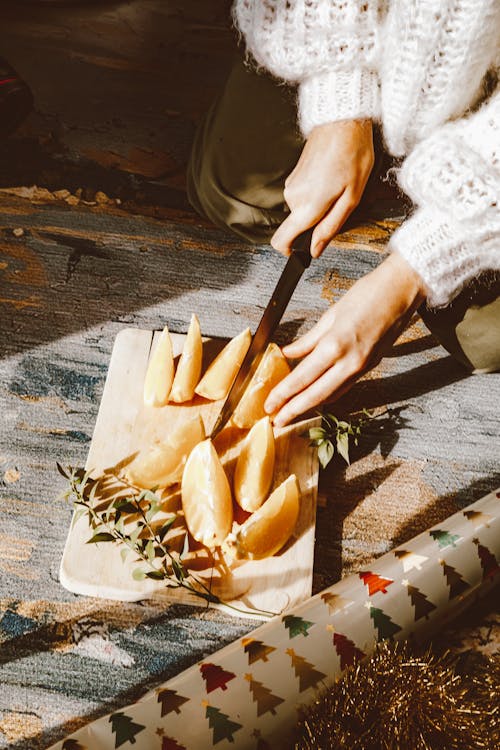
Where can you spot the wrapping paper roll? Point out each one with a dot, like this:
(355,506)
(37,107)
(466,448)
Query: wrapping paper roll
(247,694)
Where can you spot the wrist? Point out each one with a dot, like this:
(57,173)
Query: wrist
(407,278)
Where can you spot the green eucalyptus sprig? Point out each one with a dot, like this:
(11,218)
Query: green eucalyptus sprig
(336,435)
(107,522)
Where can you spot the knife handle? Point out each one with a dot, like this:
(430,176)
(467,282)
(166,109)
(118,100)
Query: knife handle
(301,246)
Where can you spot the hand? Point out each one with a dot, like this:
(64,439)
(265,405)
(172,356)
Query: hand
(327,183)
(348,340)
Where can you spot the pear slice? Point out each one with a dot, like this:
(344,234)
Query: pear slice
(160,372)
(218,379)
(272,368)
(162,463)
(189,367)
(253,474)
(206,496)
(267,530)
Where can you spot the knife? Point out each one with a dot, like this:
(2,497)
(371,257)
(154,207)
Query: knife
(298,261)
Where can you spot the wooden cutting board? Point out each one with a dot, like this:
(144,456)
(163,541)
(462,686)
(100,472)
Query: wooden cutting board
(123,425)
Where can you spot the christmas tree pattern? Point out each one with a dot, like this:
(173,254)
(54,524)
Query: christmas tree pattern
(261,743)
(335,603)
(215,677)
(346,649)
(375,582)
(168,743)
(264,698)
(222,725)
(124,728)
(296,625)
(385,626)
(422,605)
(489,562)
(73,745)
(170,701)
(409,560)
(308,676)
(478,518)
(256,650)
(454,580)
(444,538)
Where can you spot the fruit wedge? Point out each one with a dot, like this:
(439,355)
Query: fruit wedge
(162,463)
(266,531)
(272,368)
(206,496)
(253,474)
(160,372)
(217,380)
(189,367)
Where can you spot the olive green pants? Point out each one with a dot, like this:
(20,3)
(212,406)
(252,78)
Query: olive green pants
(246,146)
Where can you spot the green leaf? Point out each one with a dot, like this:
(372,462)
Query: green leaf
(138,574)
(156,575)
(124,553)
(101,537)
(150,550)
(179,571)
(317,433)
(62,471)
(343,446)
(124,505)
(162,533)
(325,453)
(185,547)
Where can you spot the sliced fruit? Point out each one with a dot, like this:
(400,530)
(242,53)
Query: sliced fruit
(217,380)
(189,367)
(253,474)
(206,496)
(272,368)
(162,463)
(267,530)
(160,372)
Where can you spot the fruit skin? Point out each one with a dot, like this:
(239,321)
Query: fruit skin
(160,372)
(162,463)
(267,530)
(189,366)
(272,368)
(253,474)
(206,496)
(218,379)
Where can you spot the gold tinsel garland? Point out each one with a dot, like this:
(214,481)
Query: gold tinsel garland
(402,700)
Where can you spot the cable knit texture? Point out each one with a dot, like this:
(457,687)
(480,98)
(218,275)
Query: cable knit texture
(454,178)
(418,66)
(318,44)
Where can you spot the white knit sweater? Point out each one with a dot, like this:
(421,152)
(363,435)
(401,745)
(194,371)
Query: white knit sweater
(418,67)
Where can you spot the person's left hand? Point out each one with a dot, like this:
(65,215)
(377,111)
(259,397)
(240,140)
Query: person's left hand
(349,339)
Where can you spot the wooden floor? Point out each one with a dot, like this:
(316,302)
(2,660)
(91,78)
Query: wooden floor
(96,235)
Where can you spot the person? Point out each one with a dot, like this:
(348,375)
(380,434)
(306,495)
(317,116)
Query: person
(289,145)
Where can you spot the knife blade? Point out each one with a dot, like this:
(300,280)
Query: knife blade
(298,261)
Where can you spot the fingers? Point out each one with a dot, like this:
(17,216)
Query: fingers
(306,372)
(294,224)
(332,223)
(309,340)
(335,380)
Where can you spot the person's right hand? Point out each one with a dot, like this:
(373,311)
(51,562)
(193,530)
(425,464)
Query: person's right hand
(327,183)
(349,339)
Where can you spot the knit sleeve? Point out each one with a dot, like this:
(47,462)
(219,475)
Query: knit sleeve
(453,178)
(328,47)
